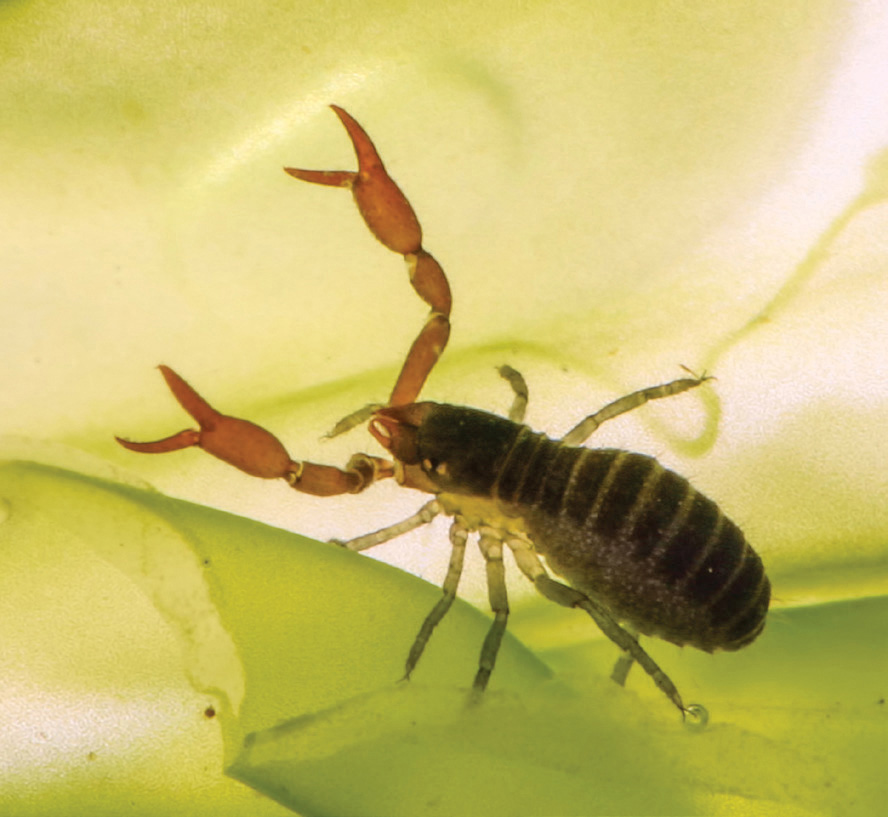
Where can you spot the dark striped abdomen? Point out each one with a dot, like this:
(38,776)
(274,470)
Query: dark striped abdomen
(622,528)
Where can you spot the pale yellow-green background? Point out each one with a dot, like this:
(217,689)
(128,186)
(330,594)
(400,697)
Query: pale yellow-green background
(614,189)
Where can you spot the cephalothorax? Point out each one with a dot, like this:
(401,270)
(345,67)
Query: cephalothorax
(635,542)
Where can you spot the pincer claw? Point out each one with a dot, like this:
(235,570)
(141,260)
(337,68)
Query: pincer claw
(391,218)
(380,201)
(240,443)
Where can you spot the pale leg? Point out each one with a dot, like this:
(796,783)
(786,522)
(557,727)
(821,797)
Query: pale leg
(529,564)
(519,386)
(422,517)
(492,550)
(583,430)
(458,536)
(624,663)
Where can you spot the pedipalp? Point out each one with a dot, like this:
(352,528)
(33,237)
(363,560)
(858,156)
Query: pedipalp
(390,217)
(256,451)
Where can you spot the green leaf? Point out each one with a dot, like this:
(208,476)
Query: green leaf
(212,640)
(135,615)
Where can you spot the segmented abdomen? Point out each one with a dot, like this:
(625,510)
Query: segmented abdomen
(622,528)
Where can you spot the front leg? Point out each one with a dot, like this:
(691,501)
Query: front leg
(256,451)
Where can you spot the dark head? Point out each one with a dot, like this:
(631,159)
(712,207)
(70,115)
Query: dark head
(446,448)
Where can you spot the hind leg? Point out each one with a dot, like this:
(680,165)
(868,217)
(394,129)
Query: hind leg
(584,429)
(624,663)
(529,564)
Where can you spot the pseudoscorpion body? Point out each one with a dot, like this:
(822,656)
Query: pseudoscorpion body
(636,543)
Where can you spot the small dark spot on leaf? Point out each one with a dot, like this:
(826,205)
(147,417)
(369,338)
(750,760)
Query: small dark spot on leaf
(209,712)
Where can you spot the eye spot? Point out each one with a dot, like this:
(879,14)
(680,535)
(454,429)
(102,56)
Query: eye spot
(430,466)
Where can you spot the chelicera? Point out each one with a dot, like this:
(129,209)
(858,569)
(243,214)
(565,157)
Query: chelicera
(640,550)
